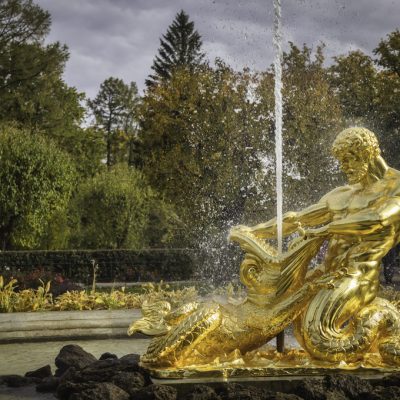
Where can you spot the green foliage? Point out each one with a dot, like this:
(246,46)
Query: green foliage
(370,96)
(33,95)
(25,300)
(22,21)
(354,78)
(115,109)
(179,47)
(40,299)
(114,265)
(200,144)
(311,119)
(37,180)
(32,91)
(114,209)
(207,141)
(389,52)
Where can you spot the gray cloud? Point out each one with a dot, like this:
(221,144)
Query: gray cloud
(120,37)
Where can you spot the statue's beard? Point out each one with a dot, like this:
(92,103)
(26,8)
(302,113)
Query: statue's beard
(357,175)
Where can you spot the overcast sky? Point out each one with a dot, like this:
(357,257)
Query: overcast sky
(120,38)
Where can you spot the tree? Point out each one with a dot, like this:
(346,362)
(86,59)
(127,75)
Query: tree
(179,47)
(36,180)
(33,94)
(114,208)
(389,52)
(370,96)
(201,145)
(353,78)
(22,21)
(114,109)
(32,91)
(311,120)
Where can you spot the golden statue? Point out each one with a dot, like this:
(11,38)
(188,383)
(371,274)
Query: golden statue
(334,308)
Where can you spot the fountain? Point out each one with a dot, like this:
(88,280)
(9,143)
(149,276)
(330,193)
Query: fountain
(339,322)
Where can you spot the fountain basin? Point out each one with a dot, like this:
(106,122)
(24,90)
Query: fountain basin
(65,325)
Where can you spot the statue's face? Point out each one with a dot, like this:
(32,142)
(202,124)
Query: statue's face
(354,165)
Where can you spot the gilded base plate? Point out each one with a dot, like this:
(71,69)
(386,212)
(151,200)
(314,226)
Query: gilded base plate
(269,363)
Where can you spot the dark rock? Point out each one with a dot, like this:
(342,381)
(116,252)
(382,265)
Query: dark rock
(40,373)
(390,380)
(48,384)
(311,389)
(155,392)
(129,381)
(332,387)
(382,393)
(99,371)
(102,371)
(281,396)
(132,363)
(67,388)
(101,391)
(131,358)
(202,392)
(235,391)
(121,373)
(68,375)
(90,391)
(106,356)
(18,380)
(72,356)
(348,385)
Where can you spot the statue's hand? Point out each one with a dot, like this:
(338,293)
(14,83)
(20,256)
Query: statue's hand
(315,232)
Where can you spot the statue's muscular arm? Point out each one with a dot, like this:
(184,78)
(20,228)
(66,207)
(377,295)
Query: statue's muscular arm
(364,222)
(314,215)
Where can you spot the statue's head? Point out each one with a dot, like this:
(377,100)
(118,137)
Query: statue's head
(356,149)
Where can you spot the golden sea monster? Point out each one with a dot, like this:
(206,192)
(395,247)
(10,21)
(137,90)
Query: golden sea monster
(334,308)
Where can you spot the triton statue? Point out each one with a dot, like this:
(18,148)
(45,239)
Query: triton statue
(334,308)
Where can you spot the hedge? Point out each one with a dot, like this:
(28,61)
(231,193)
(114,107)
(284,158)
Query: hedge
(113,265)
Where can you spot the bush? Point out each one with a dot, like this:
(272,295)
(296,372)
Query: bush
(114,265)
(36,180)
(114,210)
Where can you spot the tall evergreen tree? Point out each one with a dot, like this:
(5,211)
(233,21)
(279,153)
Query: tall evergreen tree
(179,47)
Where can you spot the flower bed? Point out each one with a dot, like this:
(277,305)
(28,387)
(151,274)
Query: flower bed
(12,300)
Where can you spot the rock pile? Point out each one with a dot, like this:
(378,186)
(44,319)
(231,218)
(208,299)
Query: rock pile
(80,376)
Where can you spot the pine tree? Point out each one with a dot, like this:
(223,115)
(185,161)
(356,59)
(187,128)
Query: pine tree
(114,109)
(179,47)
